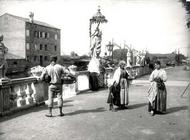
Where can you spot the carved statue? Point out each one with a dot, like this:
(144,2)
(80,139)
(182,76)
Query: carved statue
(143,60)
(3,63)
(138,62)
(129,59)
(96,43)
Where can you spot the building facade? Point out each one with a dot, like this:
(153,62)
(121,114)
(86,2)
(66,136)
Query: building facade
(29,39)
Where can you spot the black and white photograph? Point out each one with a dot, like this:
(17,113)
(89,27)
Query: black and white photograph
(94,69)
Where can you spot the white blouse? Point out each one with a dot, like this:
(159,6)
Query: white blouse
(161,73)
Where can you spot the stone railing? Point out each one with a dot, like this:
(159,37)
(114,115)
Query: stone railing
(134,72)
(26,92)
(21,93)
(82,84)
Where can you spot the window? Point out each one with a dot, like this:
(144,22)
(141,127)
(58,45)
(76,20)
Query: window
(55,48)
(14,63)
(45,58)
(46,35)
(41,60)
(41,34)
(55,36)
(27,32)
(45,47)
(27,46)
(41,46)
(35,58)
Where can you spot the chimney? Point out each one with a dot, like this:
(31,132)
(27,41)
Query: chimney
(31,15)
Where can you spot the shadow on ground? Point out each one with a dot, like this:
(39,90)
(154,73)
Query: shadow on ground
(176,109)
(97,110)
(1,133)
(37,108)
(134,106)
(91,91)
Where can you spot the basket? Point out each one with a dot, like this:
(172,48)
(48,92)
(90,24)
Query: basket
(68,79)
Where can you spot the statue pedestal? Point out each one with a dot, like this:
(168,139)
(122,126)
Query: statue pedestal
(2,72)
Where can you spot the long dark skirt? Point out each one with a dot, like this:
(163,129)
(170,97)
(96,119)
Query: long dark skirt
(160,102)
(93,79)
(114,95)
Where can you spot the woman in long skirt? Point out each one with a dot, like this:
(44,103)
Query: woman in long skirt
(157,93)
(121,97)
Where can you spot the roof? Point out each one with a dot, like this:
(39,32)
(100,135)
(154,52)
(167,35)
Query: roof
(28,20)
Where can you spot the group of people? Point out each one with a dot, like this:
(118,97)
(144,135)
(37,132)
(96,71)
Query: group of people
(119,89)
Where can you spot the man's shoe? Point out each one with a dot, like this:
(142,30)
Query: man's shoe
(48,115)
(125,107)
(62,114)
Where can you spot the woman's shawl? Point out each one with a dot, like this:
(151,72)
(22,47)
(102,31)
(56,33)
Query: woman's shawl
(152,92)
(116,76)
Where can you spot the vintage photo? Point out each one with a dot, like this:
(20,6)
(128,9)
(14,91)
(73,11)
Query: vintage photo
(94,69)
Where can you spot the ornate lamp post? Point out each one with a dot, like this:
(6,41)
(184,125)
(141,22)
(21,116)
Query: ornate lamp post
(95,46)
(94,65)
(110,49)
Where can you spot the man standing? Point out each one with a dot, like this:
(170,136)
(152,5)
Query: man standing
(54,72)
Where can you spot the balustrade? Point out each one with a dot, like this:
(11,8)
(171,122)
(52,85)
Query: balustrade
(23,92)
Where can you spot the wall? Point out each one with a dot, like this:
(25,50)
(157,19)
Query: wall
(13,31)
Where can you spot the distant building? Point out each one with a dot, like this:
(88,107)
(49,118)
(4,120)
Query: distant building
(31,40)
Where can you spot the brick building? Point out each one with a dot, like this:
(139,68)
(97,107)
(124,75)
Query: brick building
(29,39)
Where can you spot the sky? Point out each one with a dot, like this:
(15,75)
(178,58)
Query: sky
(156,25)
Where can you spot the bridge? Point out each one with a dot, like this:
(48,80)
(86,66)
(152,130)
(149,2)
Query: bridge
(87,116)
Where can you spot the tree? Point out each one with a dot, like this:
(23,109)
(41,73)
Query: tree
(179,57)
(187,8)
(120,54)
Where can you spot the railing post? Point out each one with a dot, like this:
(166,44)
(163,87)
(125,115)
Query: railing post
(4,95)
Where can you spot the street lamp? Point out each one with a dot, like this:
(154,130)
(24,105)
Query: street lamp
(96,19)
(110,49)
